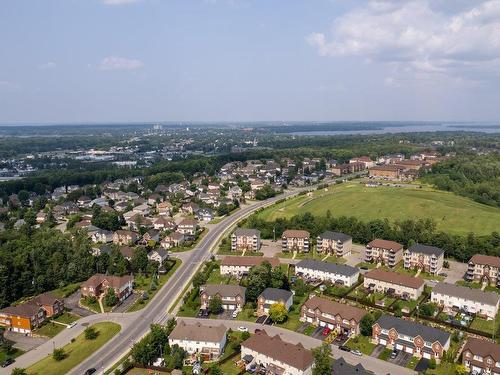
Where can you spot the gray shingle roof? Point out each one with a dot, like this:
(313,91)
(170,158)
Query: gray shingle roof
(413,329)
(275,294)
(246,232)
(473,295)
(340,269)
(341,367)
(425,249)
(337,236)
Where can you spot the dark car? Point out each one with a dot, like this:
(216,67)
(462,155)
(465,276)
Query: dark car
(345,348)
(364,267)
(7,362)
(90,371)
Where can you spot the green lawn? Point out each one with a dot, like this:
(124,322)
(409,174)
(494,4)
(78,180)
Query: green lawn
(444,368)
(67,290)
(143,283)
(486,326)
(362,343)
(51,329)
(91,306)
(452,213)
(293,323)
(413,362)
(385,354)
(247,314)
(475,285)
(76,351)
(13,354)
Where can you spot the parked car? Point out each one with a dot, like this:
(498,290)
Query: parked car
(242,329)
(257,330)
(326,331)
(394,354)
(345,348)
(7,362)
(90,371)
(71,325)
(364,268)
(356,352)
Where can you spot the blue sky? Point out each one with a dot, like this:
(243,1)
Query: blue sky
(231,60)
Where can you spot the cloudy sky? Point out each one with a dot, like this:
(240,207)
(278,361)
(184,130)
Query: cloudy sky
(209,60)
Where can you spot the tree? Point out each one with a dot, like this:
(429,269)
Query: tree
(110,299)
(322,360)
(91,333)
(259,278)
(427,309)
(176,358)
(215,305)
(365,325)
(58,354)
(278,312)
(279,279)
(18,371)
(300,288)
(199,279)
(139,261)
(215,370)
(461,370)
(432,363)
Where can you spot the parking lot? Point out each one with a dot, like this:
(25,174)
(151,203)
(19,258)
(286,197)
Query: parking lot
(402,359)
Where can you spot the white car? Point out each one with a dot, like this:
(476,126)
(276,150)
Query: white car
(356,352)
(242,329)
(71,325)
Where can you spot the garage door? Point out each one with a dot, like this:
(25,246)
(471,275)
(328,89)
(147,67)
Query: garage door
(427,355)
(409,350)
(309,320)
(330,326)
(322,324)
(383,341)
(231,307)
(399,347)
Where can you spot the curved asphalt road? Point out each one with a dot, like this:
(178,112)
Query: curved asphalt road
(135,325)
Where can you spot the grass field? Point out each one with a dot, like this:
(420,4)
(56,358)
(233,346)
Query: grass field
(51,329)
(76,351)
(452,213)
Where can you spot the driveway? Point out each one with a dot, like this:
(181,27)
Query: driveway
(127,303)
(402,359)
(25,342)
(318,333)
(270,248)
(422,365)
(71,303)
(455,272)
(303,327)
(356,256)
(377,351)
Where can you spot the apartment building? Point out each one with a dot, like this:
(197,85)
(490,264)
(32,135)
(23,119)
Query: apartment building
(295,240)
(277,356)
(270,296)
(232,296)
(244,239)
(481,356)
(484,269)
(334,243)
(206,340)
(414,338)
(337,316)
(393,283)
(388,253)
(99,284)
(239,265)
(475,301)
(426,258)
(391,172)
(312,270)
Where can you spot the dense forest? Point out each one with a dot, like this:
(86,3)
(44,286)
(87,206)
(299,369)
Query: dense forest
(406,232)
(473,176)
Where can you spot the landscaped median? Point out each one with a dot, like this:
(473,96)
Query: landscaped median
(76,352)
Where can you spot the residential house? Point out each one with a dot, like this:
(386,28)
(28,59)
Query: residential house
(240,265)
(341,317)
(127,252)
(454,297)
(164,223)
(188,227)
(341,367)
(417,339)
(484,269)
(41,217)
(234,192)
(150,235)
(172,240)
(276,356)
(83,202)
(125,237)
(164,208)
(190,208)
(334,243)
(158,255)
(232,296)
(244,239)
(98,284)
(208,341)
(392,283)
(330,272)
(388,253)
(295,240)
(365,160)
(154,199)
(204,214)
(480,356)
(101,236)
(426,258)
(270,296)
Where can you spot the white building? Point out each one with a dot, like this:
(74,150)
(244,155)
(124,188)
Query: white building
(270,296)
(335,273)
(239,265)
(476,301)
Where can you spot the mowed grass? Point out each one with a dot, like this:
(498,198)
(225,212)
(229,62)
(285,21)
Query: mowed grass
(452,213)
(76,351)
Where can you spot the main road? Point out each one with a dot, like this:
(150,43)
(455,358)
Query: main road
(136,324)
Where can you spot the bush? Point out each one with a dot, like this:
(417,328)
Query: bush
(58,354)
(91,333)
(432,363)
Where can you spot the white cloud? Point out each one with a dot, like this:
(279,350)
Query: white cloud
(119,2)
(48,65)
(120,63)
(417,37)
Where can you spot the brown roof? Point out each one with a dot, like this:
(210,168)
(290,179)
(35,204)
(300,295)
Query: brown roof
(114,281)
(121,232)
(188,222)
(386,168)
(483,348)
(198,332)
(224,290)
(394,278)
(46,299)
(291,233)
(27,309)
(486,259)
(335,308)
(274,347)
(127,251)
(385,244)
(248,261)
